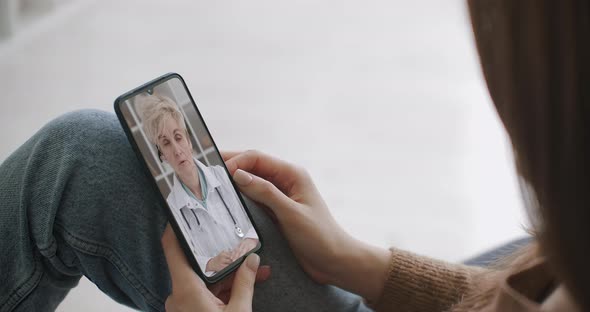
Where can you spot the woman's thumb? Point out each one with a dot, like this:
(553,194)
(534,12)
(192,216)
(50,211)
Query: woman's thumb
(243,286)
(262,191)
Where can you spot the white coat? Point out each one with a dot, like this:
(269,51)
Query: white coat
(216,231)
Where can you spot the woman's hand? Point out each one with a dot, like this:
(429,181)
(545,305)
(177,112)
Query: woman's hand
(324,250)
(219,262)
(189,292)
(245,245)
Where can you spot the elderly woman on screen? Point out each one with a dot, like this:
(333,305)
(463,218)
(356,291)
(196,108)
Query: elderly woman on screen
(202,200)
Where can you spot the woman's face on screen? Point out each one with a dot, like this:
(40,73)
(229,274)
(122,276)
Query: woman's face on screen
(175,146)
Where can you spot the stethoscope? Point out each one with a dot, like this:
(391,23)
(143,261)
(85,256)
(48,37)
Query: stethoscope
(237,230)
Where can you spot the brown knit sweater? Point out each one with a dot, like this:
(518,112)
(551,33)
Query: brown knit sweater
(417,283)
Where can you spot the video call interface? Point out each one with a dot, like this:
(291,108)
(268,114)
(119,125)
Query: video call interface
(190,174)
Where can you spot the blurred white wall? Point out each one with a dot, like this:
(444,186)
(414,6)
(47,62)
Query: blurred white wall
(382,101)
(18,14)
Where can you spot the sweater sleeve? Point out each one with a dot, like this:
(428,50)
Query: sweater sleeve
(417,283)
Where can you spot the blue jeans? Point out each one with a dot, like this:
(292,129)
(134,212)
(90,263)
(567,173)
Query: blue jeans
(74,201)
(491,256)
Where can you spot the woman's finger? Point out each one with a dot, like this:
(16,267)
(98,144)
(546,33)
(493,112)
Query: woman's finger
(263,274)
(185,282)
(180,270)
(263,191)
(227,155)
(243,285)
(279,172)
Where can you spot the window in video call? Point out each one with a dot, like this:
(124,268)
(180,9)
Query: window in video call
(190,174)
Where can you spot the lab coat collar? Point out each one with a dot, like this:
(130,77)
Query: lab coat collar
(181,198)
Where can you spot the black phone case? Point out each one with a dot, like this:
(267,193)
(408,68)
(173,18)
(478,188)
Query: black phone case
(183,242)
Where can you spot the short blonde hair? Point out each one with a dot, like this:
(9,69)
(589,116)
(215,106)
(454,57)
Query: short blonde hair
(153,110)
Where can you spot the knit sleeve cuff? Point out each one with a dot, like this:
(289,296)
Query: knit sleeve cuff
(417,283)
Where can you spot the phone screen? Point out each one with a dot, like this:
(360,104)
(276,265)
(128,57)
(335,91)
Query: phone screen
(177,147)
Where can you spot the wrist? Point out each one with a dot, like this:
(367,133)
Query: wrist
(362,269)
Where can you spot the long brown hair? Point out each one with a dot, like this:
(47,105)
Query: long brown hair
(535,56)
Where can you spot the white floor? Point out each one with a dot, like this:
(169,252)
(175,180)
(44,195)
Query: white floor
(383,102)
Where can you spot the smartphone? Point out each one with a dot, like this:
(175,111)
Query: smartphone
(175,148)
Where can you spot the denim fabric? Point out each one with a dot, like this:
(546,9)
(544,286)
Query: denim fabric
(69,203)
(491,256)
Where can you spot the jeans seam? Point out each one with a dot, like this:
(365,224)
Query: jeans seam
(111,256)
(52,247)
(43,249)
(16,296)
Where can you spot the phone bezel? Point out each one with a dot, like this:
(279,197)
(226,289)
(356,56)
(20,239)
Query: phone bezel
(183,242)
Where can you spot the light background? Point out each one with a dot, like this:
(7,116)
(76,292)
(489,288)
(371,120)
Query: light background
(382,101)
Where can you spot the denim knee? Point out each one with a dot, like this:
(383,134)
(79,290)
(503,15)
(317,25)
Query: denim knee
(86,133)
(79,203)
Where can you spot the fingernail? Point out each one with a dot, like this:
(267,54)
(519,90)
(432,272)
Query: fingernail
(242,177)
(253,261)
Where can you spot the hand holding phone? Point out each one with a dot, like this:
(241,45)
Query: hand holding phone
(189,293)
(323,249)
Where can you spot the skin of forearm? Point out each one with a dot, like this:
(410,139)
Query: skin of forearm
(363,270)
